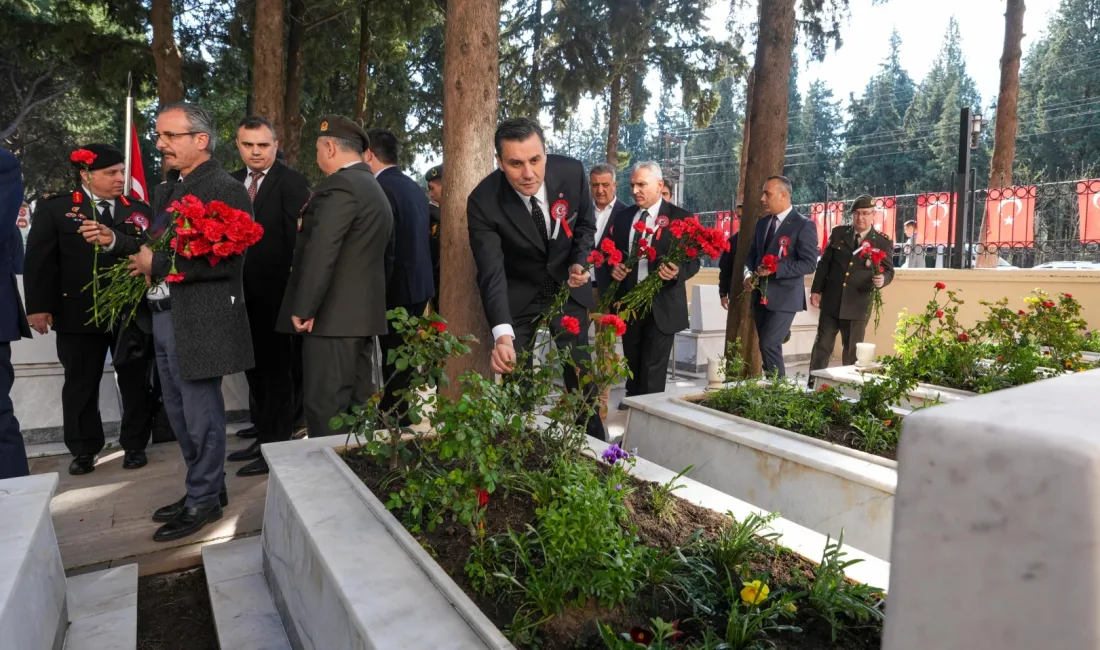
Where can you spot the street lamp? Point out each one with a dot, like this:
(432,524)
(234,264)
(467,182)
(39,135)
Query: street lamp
(976,124)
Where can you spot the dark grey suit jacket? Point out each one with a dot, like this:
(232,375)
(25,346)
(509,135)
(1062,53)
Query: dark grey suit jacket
(208,310)
(342,258)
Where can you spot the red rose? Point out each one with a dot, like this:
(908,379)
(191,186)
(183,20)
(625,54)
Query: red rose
(174,277)
(439,326)
(939,313)
(940,286)
(963,338)
(615,258)
(607,246)
(596,258)
(571,325)
(613,320)
(82,156)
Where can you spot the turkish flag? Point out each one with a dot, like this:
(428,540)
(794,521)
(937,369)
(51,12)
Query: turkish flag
(138,188)
(1010,216)
(886,208)
(934,219)
(826,220)
(1088,203)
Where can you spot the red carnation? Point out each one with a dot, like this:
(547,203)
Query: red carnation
(439,326)
(691,252)
(82,156)
(482,498)
(613,320)
(763,301)
(615,258)
(940,286)
(571,325)
(963,338)
(651,253)
(596,258)
(770,263)
(223,249)
(640,226)
(211,229)
(608,246)
(677,228)
(174,277)
(199,247)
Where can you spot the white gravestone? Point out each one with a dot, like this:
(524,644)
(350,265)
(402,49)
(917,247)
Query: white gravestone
(996,539)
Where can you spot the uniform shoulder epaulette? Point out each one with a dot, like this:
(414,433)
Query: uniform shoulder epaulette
(128,200)
(46,196)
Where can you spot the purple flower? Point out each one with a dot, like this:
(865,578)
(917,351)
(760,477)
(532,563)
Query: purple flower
(614,454)
(618,486)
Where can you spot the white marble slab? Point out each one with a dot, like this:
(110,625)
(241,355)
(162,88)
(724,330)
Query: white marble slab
(32,580)
(997,530)
(341,577)
(244,611)
(103,609)
(848,378)
(706,314)
(809,482)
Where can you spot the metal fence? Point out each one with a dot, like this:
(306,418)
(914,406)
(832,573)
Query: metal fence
(1046,222)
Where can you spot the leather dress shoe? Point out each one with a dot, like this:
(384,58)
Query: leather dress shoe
(249,432)
(169,512)
(135,459)
(252,452)
(255,468)
(187,522)
(82,465)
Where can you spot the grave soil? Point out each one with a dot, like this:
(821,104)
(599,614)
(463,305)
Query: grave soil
(174,612)
(576,628)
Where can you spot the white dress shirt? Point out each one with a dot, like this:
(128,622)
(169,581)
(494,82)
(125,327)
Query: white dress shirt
(602,216)
(778,222)
(382,170)
(504,329)
(259,181)
(96,201)
(650,222)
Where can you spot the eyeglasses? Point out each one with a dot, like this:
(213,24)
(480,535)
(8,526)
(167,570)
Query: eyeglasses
(168,136)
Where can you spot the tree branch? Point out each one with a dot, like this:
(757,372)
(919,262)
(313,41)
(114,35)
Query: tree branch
(31,105)
(322,21)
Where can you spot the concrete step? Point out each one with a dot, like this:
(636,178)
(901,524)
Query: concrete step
(103,609)
(244,611)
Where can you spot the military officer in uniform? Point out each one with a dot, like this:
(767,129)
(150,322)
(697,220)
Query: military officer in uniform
(843,283)
(434,179)
(58,266)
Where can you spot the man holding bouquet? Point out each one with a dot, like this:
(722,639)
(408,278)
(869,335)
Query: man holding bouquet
(852,268)
(200,326)
(59,268)
(648,340)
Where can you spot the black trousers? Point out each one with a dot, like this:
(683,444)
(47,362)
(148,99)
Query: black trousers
(337,373)
(298,413)
(396,381)
(82,356)
(851,332)
(772,328)
(13,454)
(524,326)
(646,349)
(271,386)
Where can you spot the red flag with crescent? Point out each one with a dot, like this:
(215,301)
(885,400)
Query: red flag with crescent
(1010,216)
(138,188)
(934,218)
(886,210)
(826,219)
(1088,204)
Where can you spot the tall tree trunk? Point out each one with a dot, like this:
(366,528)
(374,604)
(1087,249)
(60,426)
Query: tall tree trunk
(267,62)
(615,114)
(536,63)
(471,71)
(166,55)
(768,125)
(745,139)
(1004,138)
(291,139)
(364,61)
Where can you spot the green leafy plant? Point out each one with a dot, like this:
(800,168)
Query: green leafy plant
(660,637)
(837,600)
(754,613)
(660,496)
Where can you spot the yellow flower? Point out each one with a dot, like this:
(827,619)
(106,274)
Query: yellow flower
(754,593)
(791,608)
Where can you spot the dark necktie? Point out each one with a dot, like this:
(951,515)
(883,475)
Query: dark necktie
(540,221)
(638,233)
(549,285)
(254,186)
(771,232)
(105,213)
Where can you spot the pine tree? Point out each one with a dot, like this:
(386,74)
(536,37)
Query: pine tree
(816,156)
(713,156)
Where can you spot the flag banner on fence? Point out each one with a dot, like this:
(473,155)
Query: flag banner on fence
(885,216)
(934,218)
(137,169)
(1088,204)
(1010,216)
(727,222)
(826,220)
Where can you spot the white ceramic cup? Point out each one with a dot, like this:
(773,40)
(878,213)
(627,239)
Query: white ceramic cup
(865,354)
(716,372)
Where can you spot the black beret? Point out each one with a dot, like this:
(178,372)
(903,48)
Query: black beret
(863,202)
(434,174)
(338,126)
(105,156)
